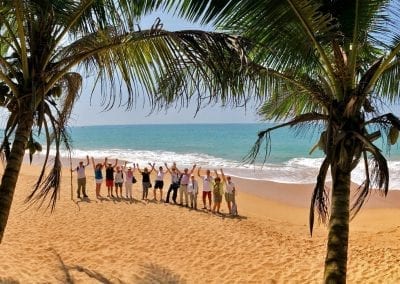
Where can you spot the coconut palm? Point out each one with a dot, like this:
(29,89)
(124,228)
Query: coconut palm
(328,64)
(47,46)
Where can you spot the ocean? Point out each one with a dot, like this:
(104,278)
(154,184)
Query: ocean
(215,146)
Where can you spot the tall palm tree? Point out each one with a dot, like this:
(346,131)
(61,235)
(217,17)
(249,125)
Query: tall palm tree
(45,48)
(331,64)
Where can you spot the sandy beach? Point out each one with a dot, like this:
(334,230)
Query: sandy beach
(120,241)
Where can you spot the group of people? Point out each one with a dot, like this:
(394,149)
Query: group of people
(214,187)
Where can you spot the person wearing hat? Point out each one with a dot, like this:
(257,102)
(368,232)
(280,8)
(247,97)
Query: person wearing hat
(129,180)
(80,170)
(110,177)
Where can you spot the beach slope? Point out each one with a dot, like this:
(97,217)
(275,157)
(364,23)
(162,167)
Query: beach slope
(122,241)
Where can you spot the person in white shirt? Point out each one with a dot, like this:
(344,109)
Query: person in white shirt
(80,169)
(230,191)
(207,186)
(129,180)
(118,181)
(159,183)
(193,190)
(175,178)
(183,191)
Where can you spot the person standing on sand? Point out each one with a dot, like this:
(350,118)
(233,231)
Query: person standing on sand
(159,183)
(193,190)
(110,177)
(118,181)
(218,192)
(183,188)
(98,176)
(145,179)
(207,183)
(175,179)
(128,180)
(81,177)
(230,191)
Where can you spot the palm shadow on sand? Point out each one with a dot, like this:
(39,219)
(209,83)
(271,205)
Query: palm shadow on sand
(8,280)
(67,269)
(154,273)
(151,273)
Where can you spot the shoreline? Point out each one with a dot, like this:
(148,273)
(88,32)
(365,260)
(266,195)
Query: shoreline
(294,194)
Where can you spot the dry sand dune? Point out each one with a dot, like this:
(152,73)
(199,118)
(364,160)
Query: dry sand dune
(119,241)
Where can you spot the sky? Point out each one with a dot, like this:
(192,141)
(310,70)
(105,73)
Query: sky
(92,113)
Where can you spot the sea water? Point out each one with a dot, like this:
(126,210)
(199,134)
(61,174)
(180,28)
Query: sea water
(215,146)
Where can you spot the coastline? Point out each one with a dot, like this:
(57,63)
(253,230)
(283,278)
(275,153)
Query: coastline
(148,242)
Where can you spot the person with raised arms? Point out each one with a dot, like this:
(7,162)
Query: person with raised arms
(183,190)
(193,190)
(81,178)
(159,183)
(129,180)
(146,183)
(110,177)
(230,192)
(98,176)
(118,180)
(175,178)
(218,192)
(207,184)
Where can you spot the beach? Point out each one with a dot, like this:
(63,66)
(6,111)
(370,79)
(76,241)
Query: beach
(123,241)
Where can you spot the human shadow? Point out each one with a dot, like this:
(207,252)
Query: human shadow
(67,269)
(220,215)
(84,199)
(154,273)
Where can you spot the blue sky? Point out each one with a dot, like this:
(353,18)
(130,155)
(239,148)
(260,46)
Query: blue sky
(91,113)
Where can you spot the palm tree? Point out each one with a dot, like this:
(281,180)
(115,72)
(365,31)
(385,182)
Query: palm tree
(45,48)
(327,64)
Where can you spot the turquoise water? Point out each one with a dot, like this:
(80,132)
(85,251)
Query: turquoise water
(213,146)
(227,141)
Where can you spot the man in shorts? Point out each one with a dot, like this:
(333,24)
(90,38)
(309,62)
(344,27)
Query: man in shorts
(119,181)
(159,183)
(207,186)
(110,177)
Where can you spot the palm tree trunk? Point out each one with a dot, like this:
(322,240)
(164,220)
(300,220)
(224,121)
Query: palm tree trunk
(336,257)
(13,167)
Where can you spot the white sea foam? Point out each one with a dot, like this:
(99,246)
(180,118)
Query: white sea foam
(297,170)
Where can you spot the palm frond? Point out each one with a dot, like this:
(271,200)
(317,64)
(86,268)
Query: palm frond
(388,81)
(320,199)
(50,186)
(363,191)
(288,33)
(377,178)
(265,134)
